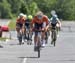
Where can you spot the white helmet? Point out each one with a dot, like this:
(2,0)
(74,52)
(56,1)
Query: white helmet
(53,12)
(21,15)
(25,16)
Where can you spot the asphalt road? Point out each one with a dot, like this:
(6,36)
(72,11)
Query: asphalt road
(64,52)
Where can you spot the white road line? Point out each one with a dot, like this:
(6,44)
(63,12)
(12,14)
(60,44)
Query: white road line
(24,60)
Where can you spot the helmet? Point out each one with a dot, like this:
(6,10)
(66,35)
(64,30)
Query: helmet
(21,15)
(39,13)
(53,12)
(25,16)
(30,17)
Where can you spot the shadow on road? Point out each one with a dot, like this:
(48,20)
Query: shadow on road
(67,60)
(27,57)
(15,44)
(1,46)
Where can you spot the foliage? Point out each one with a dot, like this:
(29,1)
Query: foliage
(11,8)
(12,24)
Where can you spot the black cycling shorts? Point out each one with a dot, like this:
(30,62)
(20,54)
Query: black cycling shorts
(53,25)
(18,25)
(27,25)
(37,27)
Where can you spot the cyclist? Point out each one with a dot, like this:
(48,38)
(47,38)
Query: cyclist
(53,13)
(27,26)
(54,21)
(39,22)
(19,23)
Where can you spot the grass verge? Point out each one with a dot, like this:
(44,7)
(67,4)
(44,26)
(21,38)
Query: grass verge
(3,39)
(12,24)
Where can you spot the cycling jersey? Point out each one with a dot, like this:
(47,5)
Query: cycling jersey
(27,23)
(39,21)
(20,20)
(54,20)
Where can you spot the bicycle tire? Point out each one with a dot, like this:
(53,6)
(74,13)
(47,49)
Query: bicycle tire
(54,37)
(38,51)
(46,37)
(20,39)
(28,42)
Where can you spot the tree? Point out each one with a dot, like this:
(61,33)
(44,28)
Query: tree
(65,9)
(15,6)
(5,11)
(46,6)
(29,8)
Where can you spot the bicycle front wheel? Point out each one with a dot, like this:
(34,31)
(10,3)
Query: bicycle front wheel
(55,37)
(38,52)
(20,38)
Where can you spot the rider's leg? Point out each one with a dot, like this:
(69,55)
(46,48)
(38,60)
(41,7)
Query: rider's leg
(30,35)
(35,41)
(18,29)
(23,34)
(43,34)
(51,37)
(19,35)
(35,38)
(58,29)
(43,39)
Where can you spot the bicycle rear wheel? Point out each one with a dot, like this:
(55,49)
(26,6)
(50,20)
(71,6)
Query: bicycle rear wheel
(55,37)
(20,38)
(38,51)
(46,37)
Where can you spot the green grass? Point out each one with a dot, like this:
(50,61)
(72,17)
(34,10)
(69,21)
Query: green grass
(2,39)
(12,24)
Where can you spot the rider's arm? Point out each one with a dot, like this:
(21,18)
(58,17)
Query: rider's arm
(50,20)
(32,24)
(46,20)
(23,22)
(59,22)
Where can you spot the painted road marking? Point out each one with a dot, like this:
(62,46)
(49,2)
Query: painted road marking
(24,60)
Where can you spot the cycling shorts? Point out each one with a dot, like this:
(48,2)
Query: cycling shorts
(27,25)
(18,25)
(37,27)
(53,25)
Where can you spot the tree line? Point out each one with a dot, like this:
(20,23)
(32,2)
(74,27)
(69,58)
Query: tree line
(65,9)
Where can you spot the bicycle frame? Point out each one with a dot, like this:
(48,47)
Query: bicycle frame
(54,35)
(38,42)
